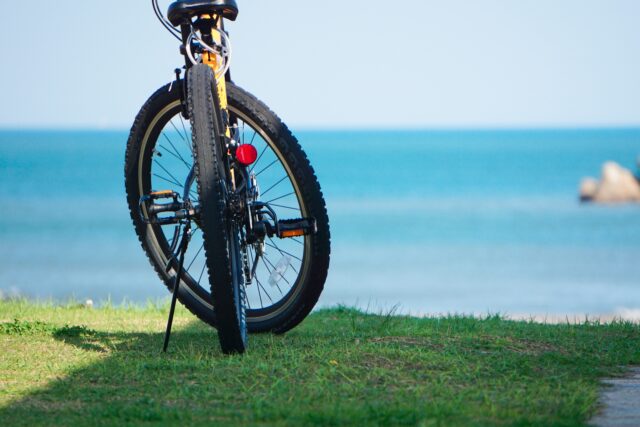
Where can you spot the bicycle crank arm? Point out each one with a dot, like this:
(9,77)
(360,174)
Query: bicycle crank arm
(179,216)
(156,208)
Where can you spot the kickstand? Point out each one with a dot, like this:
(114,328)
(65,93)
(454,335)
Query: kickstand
(184,243)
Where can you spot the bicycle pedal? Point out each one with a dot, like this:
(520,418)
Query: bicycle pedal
(163,194)
(296,227)
(153,209)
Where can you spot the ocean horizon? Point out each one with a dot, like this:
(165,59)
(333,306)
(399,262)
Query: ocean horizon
(427,221)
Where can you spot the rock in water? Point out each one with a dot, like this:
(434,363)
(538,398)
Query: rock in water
(617,185)
(588,189)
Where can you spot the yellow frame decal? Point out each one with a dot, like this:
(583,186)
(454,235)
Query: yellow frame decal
(212,61)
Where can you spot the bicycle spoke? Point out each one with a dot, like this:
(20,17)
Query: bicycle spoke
(186,134)
(194,257)
(265,291)
(279,274)
(282,251)
(168,173)
(270,164)
(174,155)
(295,270)
(168,180)
(184,138)
(177,130)
(270,188)
(259,157)
(177,153)
(202,272)
(284,207)
(281,197)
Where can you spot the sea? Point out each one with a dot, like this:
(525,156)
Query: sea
(422,222)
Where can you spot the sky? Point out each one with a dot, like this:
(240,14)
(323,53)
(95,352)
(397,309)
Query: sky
(336,65)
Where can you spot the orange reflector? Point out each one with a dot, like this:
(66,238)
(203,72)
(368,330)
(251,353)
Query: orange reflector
(162,193)
(246,154)
(293,233)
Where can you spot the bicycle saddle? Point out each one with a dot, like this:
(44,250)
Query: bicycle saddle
(181,12)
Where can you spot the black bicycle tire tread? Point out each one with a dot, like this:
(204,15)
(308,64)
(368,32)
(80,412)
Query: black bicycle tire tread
(297,160)
(202,101)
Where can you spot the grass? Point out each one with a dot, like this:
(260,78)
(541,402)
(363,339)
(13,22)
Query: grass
(68,365)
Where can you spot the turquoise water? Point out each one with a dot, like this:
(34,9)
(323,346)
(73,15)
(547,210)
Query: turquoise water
(436,221)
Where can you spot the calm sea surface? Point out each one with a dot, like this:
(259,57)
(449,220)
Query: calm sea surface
(442,221)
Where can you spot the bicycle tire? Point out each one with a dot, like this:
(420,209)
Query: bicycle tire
(220,234)
(142,143)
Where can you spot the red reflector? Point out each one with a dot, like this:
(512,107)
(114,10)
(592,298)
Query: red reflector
(246,154)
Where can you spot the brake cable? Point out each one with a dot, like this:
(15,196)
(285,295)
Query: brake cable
(165,23)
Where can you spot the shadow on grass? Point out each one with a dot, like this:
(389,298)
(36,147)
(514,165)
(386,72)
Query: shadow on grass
(104,342)
(125,378)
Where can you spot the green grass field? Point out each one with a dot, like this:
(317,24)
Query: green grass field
(76,366)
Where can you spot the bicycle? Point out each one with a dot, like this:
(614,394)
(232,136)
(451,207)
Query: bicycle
(210,167)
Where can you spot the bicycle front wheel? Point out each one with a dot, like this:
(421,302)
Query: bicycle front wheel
(220,233)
